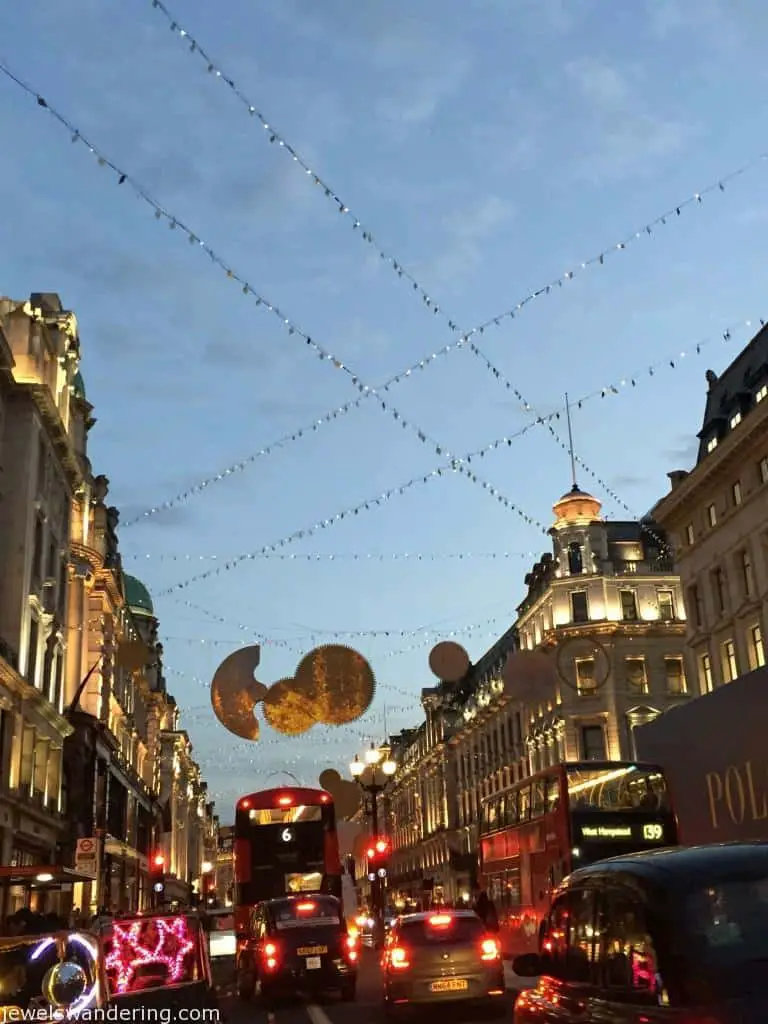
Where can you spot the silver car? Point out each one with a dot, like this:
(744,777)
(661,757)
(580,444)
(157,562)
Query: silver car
(442,957)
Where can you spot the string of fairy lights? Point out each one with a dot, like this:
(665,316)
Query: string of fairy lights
(288,324)
(451,462)
(366,391)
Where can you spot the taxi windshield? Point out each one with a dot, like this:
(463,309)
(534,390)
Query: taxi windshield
(314,912)
(728,922)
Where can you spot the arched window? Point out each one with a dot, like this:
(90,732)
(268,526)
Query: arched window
(575,560)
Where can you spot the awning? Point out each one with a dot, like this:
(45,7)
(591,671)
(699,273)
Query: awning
(40,874)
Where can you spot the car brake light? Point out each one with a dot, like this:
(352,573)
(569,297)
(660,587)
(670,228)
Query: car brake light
(351,941)
(270,949)
(305,908)
(440,920)
(398,957)
(489,949)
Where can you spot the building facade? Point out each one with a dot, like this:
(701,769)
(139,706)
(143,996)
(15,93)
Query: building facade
(39,358)
(88,733)
(717,519)
(606,607)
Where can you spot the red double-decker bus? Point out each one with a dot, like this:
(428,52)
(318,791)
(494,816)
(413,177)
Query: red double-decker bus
(536,832)
(285,842)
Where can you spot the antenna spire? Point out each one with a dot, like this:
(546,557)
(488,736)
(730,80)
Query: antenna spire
(570,441)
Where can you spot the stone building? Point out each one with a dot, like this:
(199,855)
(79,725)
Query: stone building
(39,357)
(608,606)
(717,518)
(85,719)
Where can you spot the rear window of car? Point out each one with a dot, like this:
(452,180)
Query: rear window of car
(313,912)
(728,921)
(458,931)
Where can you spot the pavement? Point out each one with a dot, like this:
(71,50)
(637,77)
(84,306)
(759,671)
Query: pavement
(367,1009)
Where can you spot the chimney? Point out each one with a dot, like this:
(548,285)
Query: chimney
(676,477)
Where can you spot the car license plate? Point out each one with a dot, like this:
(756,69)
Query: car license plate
(313,963)
(312,950)
(450,985)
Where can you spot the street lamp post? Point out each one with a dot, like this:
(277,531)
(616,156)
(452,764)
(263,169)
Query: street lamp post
(365,772)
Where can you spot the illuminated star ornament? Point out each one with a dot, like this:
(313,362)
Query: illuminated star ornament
(137,946)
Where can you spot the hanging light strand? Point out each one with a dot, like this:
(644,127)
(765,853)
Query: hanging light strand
(288,325)
(214,69)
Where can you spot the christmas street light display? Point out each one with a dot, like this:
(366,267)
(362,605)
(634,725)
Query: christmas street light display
(164,944)
(333,685)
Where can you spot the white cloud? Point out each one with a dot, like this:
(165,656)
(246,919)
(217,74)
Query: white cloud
(466,236)
(630,139)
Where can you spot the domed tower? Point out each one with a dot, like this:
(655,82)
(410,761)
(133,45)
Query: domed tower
(578,533)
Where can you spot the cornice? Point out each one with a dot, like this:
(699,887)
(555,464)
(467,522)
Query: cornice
(674,507)
(24,691)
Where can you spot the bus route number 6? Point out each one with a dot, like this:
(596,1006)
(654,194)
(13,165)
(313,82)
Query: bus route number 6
(287,835)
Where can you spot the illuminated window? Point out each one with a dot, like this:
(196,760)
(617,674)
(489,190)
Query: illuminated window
(735,420)
(747,573)
(579,606)
(585,675)
(757,650)
(761,393)
(575,560)
(711,444)
(736,492)
(675,672)
(705,673)
(711,515)
(690,533)
(730,667)
(628,605)
(666,606)
(636,674)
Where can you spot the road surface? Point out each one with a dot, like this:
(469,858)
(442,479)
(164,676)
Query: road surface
(366,1010)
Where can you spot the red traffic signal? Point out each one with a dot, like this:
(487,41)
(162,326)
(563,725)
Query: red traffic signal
(378,850)
(158,861)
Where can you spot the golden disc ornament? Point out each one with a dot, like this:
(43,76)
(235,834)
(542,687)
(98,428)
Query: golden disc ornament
(529,676)
(337,683)
(235,693)
(286,709)
(449,661)
(133,655)
(346,795)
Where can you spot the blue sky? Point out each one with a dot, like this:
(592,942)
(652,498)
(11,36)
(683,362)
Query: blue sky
(490,146)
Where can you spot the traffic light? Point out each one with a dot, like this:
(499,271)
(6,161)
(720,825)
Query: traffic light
(378,856)
(157,878)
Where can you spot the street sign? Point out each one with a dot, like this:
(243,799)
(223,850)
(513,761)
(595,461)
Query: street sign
(87,857)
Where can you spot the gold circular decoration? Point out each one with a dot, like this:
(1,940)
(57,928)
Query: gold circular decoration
(235,693)
(64,983)
(133,655)
(337,683)
(346,795)
(529,676)
(584,649)
(287,710)
(449,661)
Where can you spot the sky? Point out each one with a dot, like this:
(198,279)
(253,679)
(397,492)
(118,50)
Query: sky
(490,148)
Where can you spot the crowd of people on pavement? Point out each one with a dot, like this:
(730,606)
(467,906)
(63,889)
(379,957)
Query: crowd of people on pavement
(32,922)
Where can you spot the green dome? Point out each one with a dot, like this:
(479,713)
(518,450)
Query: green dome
(78,385)
(137,596)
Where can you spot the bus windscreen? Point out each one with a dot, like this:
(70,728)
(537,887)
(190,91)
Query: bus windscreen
(628,788)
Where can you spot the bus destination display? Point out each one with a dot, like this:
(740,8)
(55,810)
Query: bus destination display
(648,832)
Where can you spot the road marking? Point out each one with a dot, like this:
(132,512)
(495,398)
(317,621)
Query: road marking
(318,1015)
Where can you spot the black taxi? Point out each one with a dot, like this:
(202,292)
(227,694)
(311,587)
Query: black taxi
(298,943)
(676,935)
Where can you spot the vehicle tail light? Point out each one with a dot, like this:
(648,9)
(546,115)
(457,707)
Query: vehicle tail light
(440,920)
(305,908)
(398,958)
(489,949)
(270,955)
(351,941)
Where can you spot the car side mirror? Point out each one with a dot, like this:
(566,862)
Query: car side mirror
(529,965)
